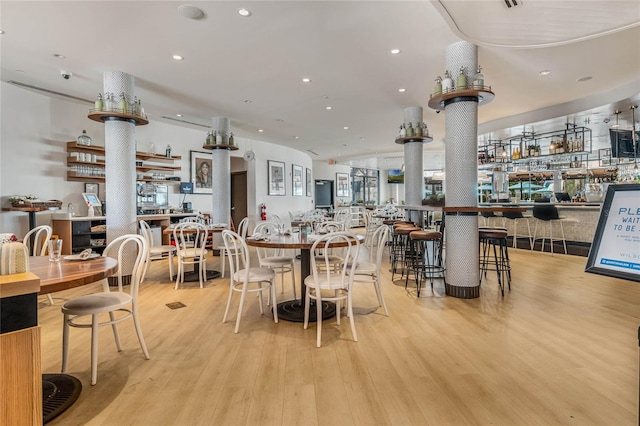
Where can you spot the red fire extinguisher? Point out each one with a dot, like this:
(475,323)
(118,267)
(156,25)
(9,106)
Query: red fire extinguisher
(263,211)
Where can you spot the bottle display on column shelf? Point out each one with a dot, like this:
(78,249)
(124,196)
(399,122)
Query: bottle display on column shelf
(438,89)
(461,82)
(447,83)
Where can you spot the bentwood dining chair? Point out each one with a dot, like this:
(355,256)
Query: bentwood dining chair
(41,234)
(246,279)
(242,231)
(191,238)
(118,304)
(155,251)
(337,285)
(275,258)
(370,271)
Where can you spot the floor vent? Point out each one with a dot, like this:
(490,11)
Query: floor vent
(176,305)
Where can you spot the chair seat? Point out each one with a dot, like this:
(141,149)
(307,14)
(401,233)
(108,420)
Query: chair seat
(276,261)
(96,303)
(331,258)
(332,282)
(365,268)
(162,249)
(255,274)
(191,252)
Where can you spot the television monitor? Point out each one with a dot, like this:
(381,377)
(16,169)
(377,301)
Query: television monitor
(622,143)
(395,176)
(91,199)
(562,196)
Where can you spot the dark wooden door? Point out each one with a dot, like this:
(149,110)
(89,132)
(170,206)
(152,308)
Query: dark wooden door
(238,197)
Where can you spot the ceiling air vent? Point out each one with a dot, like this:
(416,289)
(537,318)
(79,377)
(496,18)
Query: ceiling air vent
(184,121)
(50,92)
(314,153)
(513,3)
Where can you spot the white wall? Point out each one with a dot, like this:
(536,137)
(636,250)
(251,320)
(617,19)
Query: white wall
(34,130)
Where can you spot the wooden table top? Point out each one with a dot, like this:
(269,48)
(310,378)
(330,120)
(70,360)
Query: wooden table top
(169,230)
(293,241)
(66,274)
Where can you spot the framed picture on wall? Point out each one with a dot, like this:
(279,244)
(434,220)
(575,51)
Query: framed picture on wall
(92,188)
(308,183)
(276,178)
(201,172)
(297,180)
(342,184)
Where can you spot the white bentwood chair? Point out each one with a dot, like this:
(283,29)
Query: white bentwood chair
(243,275)
(325,279)
(41,234)
(120,304)
(169,250)
(190,239)
(370,271)
(275,258)
(242,231)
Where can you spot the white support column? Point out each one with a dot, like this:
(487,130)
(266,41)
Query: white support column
(221,175)
(413,165)
(461,117)
(120,162)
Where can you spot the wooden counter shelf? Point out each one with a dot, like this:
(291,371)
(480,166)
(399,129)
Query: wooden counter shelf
(406,139)
(220,146)
(484,96)
(102,116)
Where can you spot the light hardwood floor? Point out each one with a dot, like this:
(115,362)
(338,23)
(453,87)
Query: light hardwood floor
(560,349)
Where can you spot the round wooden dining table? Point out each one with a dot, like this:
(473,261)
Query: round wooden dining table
(66,274)
(293,310)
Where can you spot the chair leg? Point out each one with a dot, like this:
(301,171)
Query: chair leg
(535,232)
(223,254)
(564,241)
(114,327)
(551,235)
(275,301)
(65,342)
(381,301)
(136,323)
(350,310)
(50,299)
(226,311)
(319,318)
(170,265)
(293,278)
(94,349)
(306,308)
(242,296)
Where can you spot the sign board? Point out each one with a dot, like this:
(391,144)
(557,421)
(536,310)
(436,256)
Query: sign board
(615,250)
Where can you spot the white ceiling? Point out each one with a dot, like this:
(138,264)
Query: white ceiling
(344,47)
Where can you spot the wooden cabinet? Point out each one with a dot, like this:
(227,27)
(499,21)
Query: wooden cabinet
(82,233)
(86,164)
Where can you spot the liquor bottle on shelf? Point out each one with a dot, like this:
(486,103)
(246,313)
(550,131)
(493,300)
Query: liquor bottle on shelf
(167,151)
(403,131)
(231,139)
(418,130)
(478,80)
(122,105)
(218,137)
(107,102)
(409,130)
(438,89)
(461,81)
(447,83)
(98,103)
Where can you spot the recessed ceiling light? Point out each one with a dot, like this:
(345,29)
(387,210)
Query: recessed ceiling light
(59,56)
(178,115)
(346,127)
(245,13)
(402,90)
(328,107)
(247,101)
(395,51)
(585,78)
(297,137)
(260,130)
(1,31)
(178,57)
(362,138)
(306,80)
(544,72)
(189,11)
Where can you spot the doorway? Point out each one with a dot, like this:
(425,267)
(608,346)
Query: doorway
(324,194)
(238,197)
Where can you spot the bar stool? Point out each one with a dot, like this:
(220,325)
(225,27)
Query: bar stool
(401,246)
(547,213)
(487,216)
(494,255)
(517,216)
(427,259)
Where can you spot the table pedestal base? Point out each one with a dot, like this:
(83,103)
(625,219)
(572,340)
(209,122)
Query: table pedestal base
(293,311)
(59,392)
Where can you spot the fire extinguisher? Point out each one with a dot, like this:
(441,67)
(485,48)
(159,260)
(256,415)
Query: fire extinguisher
(263,211)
